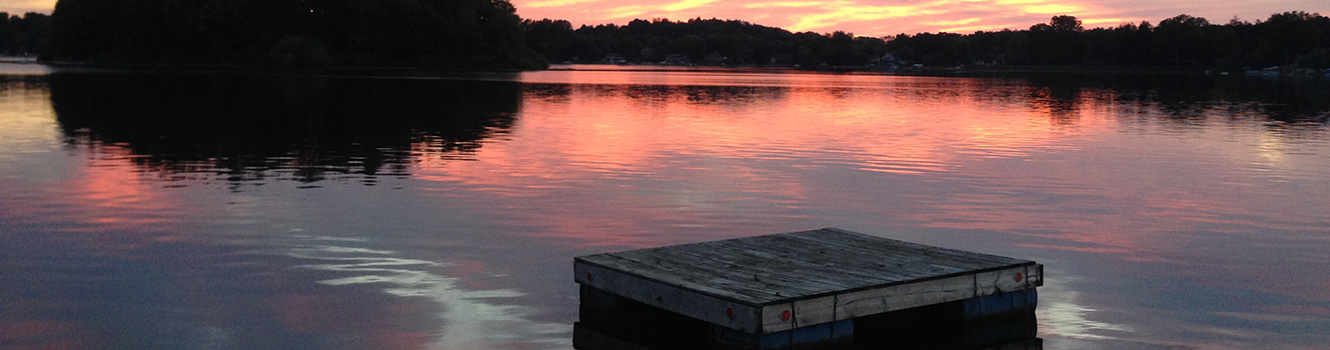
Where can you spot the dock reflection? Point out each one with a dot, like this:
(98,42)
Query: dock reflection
(942,326)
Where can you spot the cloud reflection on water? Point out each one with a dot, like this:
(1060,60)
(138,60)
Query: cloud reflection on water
(1063,315)
(424,190)
(472,319)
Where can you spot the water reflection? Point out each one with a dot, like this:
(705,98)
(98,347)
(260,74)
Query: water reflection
(152,244)
(146,210)
(1191,99)
(243,128)
(26,126)
(471,321)
(459,114)
(913,329)
(240,128)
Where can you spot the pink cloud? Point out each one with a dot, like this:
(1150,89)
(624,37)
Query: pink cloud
(880,18)
(19,7)
(877,17)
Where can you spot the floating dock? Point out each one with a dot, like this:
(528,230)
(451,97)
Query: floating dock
(798,289)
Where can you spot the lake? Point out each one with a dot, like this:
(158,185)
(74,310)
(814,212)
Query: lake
(229,210)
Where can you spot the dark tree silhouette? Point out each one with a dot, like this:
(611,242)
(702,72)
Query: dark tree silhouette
(1065,23)
(1060,41)
(428,33)
(701,41)
(1184,40)
(23,35)
(488,33)
(1289,39)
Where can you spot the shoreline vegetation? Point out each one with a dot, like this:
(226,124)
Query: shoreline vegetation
(1291,42)
(487,35)
(440,34)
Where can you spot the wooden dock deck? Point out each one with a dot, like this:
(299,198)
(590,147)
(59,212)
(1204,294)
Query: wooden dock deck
(778,290)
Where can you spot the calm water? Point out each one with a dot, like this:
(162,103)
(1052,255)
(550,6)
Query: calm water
(233,211)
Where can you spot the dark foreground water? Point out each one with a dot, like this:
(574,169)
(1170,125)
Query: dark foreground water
(233,211)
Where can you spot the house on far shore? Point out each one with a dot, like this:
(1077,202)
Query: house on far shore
(676,59)
(613,58)
(889,62)
(714,58)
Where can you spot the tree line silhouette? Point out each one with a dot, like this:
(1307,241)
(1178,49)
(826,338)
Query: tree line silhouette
(1289,38)
(476,34)
(417,33)
(23,36)
(701,41)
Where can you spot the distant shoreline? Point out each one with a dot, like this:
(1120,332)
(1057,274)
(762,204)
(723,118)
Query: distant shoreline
(258,69)
(19,59)
(923,71)
(960,71)
(964,71)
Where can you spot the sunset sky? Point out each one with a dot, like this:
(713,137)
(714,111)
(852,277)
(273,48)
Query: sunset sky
(877,17)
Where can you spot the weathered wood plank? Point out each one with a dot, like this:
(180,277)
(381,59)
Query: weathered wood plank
(774,318)
(904,296)
(913,251)
(895,245)
(656,274)
(788,281)
(904,265)
(874,301)
(1001,281)
(740,277)
(827,258)
(763,266)
(808,264)
(792,266)
(891,266)
(725,313)
(1036,275)
(918,262)
(688,271)
(814,311)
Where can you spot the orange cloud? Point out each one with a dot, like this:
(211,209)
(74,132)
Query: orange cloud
(17,7)
(873,17)
(655,10)
(687,4)
(941,15)
(558,3)
(952,23)
(791,4)
(886,17)
(1052,9)
(1109,21)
